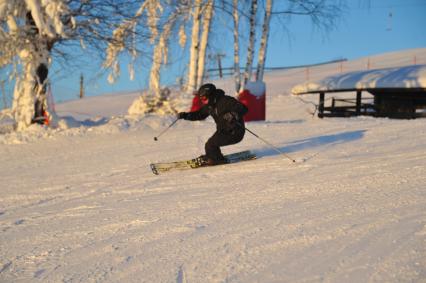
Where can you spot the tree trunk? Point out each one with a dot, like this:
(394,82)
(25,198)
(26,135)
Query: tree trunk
(250,51)
(23,98)
(237,74)
(204,40)
(30,88)
(160,56)
(193,57)
(264,42)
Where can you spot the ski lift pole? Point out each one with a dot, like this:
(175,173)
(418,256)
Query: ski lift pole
(165,130)
(271,146)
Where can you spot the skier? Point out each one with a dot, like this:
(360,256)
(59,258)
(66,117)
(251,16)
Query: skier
(227,113)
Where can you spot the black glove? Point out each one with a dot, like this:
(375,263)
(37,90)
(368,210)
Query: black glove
(182,115)
(230,117)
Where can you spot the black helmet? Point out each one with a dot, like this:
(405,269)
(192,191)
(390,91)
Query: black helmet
(206,90)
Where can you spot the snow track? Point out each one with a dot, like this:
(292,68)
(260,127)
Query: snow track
(94,212)
(81,204)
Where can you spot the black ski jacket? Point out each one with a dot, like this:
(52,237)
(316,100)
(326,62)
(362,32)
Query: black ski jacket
(219,107)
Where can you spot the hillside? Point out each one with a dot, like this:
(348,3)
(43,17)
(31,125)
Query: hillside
(80,203)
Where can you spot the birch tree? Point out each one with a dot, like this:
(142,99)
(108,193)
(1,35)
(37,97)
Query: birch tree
(208,13)
(152,100)
(155,99)
(194,49)
(236,21)
(35,32)
(126,30)
(251,44)
(264,41)
(322,13)
(28,31)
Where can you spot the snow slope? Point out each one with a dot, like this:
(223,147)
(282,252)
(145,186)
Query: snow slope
(80,204)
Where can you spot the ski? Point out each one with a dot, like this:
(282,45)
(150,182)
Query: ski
(162,167)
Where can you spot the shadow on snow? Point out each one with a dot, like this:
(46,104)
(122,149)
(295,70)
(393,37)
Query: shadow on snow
(314,142)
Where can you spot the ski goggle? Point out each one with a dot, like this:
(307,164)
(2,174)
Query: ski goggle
(204,99)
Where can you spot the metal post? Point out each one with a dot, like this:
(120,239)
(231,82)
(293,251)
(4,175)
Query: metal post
(321,105)
(4,94)
(358,102)
(81,86)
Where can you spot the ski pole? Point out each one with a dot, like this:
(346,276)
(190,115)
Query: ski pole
(165,130)
(271,145)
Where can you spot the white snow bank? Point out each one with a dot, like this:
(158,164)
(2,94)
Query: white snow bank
(401,77)
(106,105)
(68,126)
(256,88)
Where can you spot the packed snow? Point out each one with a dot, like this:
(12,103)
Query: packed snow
(79,203)
(396,77)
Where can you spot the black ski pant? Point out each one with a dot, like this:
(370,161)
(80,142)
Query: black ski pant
(219,139)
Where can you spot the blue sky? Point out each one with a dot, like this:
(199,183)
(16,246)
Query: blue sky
(382,26)
(368,27)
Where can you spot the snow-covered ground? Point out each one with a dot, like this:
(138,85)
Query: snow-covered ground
(413,76)
(80,204)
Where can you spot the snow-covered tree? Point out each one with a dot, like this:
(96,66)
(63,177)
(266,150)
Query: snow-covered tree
(35,32)
(171,24)
(158,98)
(28,31)
(126,30)
(200,13)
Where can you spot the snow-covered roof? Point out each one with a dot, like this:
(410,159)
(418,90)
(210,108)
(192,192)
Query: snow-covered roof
(400,77)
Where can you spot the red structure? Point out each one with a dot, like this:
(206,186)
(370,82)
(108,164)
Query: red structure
(254,97)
